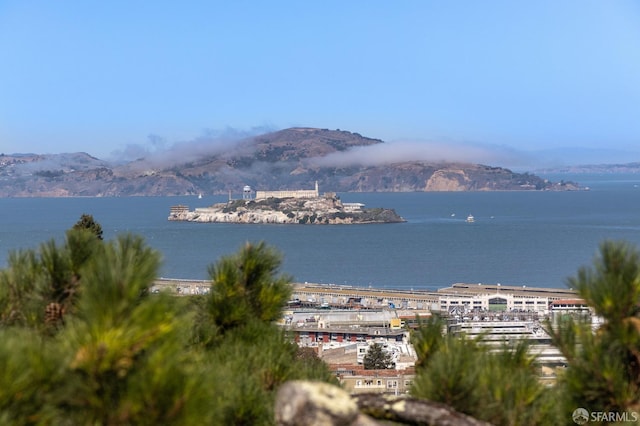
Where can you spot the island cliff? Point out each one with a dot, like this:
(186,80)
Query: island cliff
(296,207)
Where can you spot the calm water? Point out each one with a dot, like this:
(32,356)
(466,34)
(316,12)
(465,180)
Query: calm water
(518,238)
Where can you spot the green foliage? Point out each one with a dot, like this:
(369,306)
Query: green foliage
(377,359)
(427,339)
(500,387)
(234,327)
(246,287)
(603,371)
(39,288)
(28,378)
(257,359)
(123,356)
(82,245)
(271,202)
(233,205)
(19,301)
(87,222)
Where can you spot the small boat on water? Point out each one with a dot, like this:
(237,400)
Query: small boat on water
(470,219)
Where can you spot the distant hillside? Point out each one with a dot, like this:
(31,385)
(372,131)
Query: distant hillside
(285,159)
(596,168)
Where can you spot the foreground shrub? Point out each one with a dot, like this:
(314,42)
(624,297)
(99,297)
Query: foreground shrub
(603,372)
(499,386)
(119,355)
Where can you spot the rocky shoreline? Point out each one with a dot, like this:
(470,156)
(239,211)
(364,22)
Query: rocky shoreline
(326,210)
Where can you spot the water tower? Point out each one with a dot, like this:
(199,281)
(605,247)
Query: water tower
(246,192)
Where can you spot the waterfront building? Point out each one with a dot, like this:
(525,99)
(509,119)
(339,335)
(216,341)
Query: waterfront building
(461,298)
(350,297)
(177,209)
(570,306)
(481,288)
(352,207)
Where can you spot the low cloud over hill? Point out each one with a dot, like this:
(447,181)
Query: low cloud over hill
(339,160)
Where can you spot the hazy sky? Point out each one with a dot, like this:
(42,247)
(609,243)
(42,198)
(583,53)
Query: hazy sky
(103,76)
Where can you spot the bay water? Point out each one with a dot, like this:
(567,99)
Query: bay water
(527,238)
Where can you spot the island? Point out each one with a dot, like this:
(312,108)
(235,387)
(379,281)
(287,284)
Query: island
(303,207)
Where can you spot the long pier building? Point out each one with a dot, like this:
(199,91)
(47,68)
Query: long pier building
(457,297)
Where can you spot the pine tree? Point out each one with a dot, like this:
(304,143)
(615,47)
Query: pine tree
(603,372)
(377,358)
(500,387)
(119,355)
(247,287)
(87,222)
(235,328)
(41,286)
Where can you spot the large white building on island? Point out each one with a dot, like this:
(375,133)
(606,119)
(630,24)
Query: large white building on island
(295,193)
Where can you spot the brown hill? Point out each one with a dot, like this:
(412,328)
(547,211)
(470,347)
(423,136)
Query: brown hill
(285,159)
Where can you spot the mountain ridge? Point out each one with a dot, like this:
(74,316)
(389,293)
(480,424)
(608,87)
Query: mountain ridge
(286,159)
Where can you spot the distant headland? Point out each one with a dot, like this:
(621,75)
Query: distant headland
(300,206)
(289,158)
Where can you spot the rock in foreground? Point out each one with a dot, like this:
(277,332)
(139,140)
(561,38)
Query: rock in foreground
(300,403)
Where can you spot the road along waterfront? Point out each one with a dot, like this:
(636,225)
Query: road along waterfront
(458,296)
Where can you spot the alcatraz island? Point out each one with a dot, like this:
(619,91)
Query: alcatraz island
(305,207)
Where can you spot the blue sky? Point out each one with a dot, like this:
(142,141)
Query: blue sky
(498,76)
